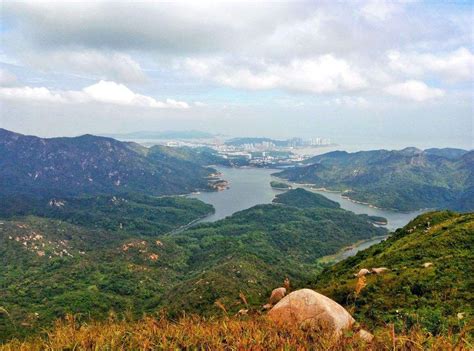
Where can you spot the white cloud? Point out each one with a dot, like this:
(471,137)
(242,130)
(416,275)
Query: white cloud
(414,90)
(104,65)
(453,66)
(380,9)
(32,94)
(7,78)
(102,92)
(322,74)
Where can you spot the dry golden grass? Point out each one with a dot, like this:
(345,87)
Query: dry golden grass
(233,333)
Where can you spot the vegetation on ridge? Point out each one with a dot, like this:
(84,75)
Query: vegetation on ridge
(88,164)
(430,277)
(408,179)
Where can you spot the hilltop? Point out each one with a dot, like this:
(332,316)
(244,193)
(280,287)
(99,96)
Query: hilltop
(304,199)
(408,179)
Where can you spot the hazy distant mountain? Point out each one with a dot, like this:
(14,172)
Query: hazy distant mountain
(406,179)
(170,134)
(243,141)
(92,165)
(447,152)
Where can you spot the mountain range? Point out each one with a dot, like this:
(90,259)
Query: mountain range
(164,135)
(408,179)
(94,165)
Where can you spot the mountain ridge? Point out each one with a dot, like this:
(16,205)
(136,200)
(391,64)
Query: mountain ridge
(90,164)
(408,179)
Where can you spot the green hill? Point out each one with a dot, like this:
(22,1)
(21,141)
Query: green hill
(50,267)
(93,165)
(437,297)
(135,214)
(407,179)
(304,199)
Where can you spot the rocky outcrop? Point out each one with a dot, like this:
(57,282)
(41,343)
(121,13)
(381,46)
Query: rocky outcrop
(362,272)
(309,309)
(277,295)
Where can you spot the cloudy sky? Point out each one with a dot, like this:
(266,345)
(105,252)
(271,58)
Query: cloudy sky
(400,72)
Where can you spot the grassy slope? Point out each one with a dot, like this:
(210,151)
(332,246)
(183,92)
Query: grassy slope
(410,294)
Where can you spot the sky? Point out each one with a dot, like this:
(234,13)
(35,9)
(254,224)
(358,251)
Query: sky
(398,72)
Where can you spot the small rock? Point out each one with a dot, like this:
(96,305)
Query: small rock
(379,270)
(267,306)
(365,335)
(362,272)
(277,295)
(242,312)
(427,264)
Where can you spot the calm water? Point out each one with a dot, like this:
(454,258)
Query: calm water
(247,187)
(251,186)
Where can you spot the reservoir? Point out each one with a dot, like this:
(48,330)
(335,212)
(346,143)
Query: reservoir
(251,186)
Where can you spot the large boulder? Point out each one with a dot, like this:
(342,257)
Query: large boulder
(309,309)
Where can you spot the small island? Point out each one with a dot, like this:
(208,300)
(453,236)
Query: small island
(219,185)
(279,185)
(378,220)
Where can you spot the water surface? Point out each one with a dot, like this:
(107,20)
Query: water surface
(251,186)
(247,187)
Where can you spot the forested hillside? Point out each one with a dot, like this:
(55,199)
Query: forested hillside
(94,165)
(51,267)
(408,179)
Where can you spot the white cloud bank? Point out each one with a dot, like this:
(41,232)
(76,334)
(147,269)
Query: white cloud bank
(455,66)
(114,66)
(322,74)
(414,90)
(102,92)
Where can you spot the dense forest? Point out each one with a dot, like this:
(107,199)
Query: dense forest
(408,179)
(32,166)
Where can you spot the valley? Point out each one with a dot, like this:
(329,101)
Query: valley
(187,234)
(251,186)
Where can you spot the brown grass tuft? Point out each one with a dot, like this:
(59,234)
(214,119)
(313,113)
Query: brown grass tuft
(229,333)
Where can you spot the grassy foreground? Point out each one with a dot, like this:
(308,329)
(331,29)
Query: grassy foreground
(224,333)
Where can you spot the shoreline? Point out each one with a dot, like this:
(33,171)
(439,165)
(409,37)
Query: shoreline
(345,197)
(337,257)
(189,225)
